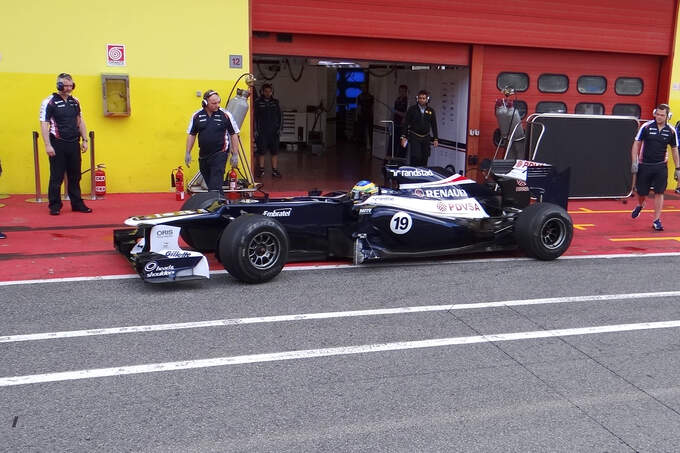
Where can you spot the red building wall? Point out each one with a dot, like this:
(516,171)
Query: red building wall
(573,64)
(627,26)
(610,38)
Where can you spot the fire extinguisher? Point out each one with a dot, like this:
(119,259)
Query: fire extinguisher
(233,179)
(100,180)
(178,177)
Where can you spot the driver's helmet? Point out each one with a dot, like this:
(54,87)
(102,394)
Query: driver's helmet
(362,190)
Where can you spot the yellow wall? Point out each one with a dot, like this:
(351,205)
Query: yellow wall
(674,101)
(174,49)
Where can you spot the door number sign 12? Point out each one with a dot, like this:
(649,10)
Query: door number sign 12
(235,61)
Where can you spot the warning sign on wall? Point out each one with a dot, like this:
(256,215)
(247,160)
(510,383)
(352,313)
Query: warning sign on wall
(115,55)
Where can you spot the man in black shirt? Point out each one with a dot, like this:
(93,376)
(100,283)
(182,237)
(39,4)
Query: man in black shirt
(62,126)
(399,118)
(267,129)
(650,159)
(420,119)
(216,129)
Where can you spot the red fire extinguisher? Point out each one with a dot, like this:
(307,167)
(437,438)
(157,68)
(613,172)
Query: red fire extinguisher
(178,176)
(233,179)
(100,180)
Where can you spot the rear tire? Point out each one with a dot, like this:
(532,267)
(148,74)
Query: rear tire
(200,200)
(197,238)
(544,231)
(254,248)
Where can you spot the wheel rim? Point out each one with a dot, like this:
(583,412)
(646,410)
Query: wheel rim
(554,233)
(264,250)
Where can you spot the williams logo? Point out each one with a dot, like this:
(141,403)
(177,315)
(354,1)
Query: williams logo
(283,212)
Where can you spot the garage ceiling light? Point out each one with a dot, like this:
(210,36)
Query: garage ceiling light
(334,63)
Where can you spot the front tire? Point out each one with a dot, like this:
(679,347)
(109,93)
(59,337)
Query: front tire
(197,238)
(544,231)
(254,248)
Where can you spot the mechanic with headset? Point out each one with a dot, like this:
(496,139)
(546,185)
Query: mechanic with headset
(267,129)
(420,118)
(62,127)
(650,158)
(216,130)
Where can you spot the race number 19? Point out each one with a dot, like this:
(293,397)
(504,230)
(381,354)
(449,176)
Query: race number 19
(401,222)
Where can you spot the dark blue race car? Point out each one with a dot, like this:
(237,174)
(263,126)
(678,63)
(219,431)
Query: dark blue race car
(419,212)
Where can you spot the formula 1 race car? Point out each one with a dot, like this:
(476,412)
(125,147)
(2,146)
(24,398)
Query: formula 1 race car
(420,212)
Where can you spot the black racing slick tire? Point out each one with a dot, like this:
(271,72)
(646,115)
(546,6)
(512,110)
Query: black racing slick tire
(544,231)
(200,200)
(254,248)
(196,238)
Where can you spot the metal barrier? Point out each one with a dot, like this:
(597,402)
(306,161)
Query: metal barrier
(93,194)
(36,164)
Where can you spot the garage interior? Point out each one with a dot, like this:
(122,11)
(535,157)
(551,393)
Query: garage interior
(323,139)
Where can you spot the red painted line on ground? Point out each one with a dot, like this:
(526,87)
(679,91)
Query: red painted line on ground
(40,246)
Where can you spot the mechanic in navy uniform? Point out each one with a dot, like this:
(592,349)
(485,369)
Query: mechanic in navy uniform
(650,159)
(267,129)
(399,117)
(216,130)
(420,119)
(62,127)
(364,130)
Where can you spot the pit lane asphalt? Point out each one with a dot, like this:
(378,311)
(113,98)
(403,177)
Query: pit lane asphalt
(600,392)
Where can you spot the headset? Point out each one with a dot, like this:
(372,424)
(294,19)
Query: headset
(206,95)
(60,84)
(425,93)
(665,107)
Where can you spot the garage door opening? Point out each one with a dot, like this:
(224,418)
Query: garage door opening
(338,114)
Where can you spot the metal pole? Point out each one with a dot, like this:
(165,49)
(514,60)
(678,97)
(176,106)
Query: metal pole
(93,195)
(36,166)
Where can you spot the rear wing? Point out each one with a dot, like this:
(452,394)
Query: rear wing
(540,180)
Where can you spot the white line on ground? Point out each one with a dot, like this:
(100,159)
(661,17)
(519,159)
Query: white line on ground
(325,352)
(311,267)
(327,315)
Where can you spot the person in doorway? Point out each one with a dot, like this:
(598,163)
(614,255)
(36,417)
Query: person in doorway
(399,117)
(267,129)
(62,126)
(420,120)
(216,131)
(365,117)
(650,159)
